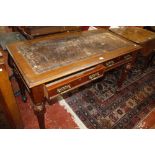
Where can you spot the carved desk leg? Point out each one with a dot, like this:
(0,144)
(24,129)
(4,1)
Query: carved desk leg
(126,68)
(37,95)
(152,63)
(148,61)
(124,74)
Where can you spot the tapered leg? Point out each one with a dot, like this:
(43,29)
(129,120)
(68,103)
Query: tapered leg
(153,59)
(126,68)
(146,63)
(149,60)
(37,95)
(39,111)
(124,74)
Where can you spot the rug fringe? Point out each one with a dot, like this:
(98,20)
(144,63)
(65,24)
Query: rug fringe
(76,119)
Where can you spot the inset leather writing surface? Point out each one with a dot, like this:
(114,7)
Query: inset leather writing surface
(46,55)
(135,34)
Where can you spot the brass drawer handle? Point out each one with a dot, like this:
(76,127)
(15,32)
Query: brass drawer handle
(110,63)
(94,76)
(63,89)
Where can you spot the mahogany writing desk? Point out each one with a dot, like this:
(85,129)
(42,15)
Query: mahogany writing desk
(54,65)
(143,37)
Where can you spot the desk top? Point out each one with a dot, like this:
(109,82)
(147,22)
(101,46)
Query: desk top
(135,34)
(49,58)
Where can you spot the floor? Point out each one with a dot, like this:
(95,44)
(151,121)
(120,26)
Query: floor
(58,116)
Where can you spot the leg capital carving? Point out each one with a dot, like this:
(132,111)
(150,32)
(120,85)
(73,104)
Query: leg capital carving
(39,108)
(124,73)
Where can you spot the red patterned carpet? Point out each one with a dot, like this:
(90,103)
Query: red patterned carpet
(56,116)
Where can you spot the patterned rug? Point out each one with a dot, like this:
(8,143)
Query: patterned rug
(99,106)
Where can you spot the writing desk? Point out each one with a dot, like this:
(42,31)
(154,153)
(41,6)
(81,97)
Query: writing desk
(53,65)
(143,37)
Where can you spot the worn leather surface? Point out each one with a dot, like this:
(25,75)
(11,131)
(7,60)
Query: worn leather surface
(49,54)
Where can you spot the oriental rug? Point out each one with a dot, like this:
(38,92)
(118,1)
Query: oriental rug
(99,106)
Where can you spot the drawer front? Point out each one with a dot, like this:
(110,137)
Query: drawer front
(118,61)
(111,62)
(62,86)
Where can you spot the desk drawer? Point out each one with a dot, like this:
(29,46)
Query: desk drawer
(62,86)
(115,62)
(127,57)
(112,62)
